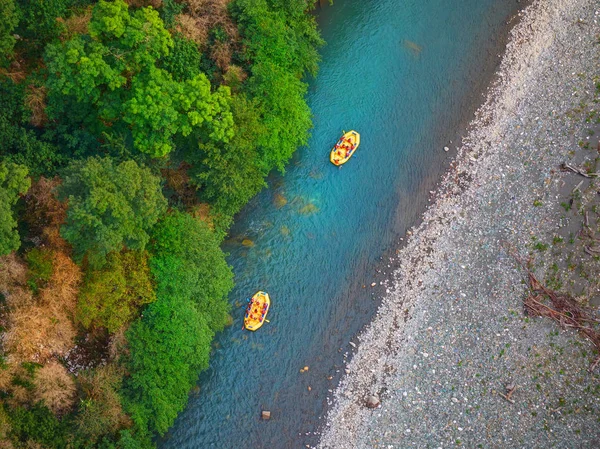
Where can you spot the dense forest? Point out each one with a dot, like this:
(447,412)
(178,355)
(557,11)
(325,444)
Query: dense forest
(130,135)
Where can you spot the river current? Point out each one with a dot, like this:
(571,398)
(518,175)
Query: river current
(407,75)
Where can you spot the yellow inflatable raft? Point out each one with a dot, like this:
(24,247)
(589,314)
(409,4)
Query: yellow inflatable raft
(345,148)
(256,312)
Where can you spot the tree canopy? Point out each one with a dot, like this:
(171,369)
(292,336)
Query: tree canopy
(111,206)
(13,183)
(112,76)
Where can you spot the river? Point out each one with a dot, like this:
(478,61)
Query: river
(407,75)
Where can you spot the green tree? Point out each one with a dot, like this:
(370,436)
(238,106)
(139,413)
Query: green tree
(10,18)
(13,183)
(38,423)
(168,347)
(109,207)
(184,248)
(228,175)
(280,47)
(39,23)
(111,297)
(183,61)
(113,76)
(20,143)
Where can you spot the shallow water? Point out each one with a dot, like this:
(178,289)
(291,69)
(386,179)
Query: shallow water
(406,75)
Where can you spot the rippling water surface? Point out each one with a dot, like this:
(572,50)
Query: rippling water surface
(405,74)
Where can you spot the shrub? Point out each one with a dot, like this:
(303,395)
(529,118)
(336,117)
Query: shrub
(10,18)
(54,387)
(100,412)
(39,424)
(39,330)
(40,268)
(111,297)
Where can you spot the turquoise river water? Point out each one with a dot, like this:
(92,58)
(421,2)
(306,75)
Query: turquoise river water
(407,75)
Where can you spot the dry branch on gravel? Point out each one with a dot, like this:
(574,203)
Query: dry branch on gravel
(561,307)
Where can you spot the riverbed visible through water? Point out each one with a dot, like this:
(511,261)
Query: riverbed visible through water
(407,75)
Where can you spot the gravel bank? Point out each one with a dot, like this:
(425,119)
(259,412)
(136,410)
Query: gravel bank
(451,333)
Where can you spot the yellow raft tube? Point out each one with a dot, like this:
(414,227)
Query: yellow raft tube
(256,312)
(345,148)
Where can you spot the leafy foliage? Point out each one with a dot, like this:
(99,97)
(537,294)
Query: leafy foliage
(229,175)
(13,182)
(280,47)
(40,268)
(20,143)
(39,22)
(10,18)
(183,62)
(171,343)
(110,206)
(168,348)
(123,86)
(100,410)
(185,249)
(110,297)
(113,74)
(39,424)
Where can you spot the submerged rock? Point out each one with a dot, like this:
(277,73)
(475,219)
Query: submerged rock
(279,200)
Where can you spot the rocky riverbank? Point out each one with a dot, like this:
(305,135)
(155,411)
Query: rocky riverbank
(451,334)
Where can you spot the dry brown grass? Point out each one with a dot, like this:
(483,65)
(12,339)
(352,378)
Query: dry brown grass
(16,71)
(101,409)
(234,77)
(178,180)
(221,54)
(117,345)
(13,273)
(62,290)
(35,101)
(191,28)
(76,24)
(202,213)
(16,393)
(55,387)
(206,14)
(39,330)
(13,282)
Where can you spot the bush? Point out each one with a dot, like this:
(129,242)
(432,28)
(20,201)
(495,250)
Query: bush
(40,268)
(20,143)
(100,412)
(183,62)
(39,424)
(111,297)
(9,12)
(54,387)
